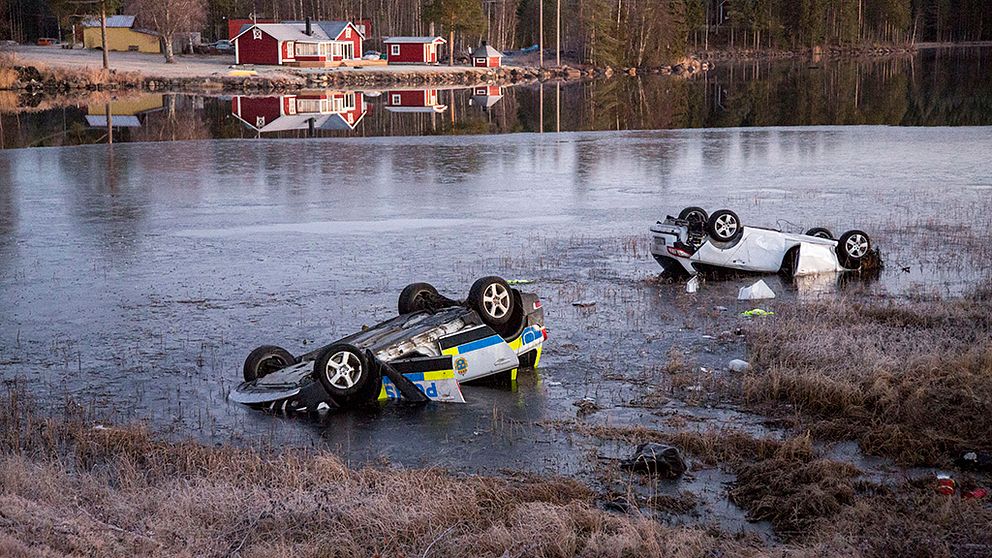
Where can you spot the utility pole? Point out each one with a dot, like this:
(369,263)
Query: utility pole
(103,33)
(540,32)
(558,34)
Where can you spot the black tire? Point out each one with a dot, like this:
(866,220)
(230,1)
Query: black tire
(724,226)
(265,360)
(820,232)
(416,297)
(852,247)
(345,385)
(528,359)
(493,299)
(694,215)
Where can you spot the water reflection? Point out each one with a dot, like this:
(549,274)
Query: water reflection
(308,110)
(934,88)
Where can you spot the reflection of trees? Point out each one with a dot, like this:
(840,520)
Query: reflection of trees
(179,120)
(932,88)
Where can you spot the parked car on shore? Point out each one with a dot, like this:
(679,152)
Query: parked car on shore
(424,353)
(696,241)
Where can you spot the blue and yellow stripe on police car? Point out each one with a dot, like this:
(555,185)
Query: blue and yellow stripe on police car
(430,376)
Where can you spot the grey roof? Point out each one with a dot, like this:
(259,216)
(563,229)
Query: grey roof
(296,30)
(488,51)
(422,40)
(118,121)
(485,101)
(125,21)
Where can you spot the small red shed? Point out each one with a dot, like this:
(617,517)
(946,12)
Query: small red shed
(412,50)
(413,100)
(486,57)
(294,43)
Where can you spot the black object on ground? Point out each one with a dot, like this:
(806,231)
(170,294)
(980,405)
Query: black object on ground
(975,461)
(660,459)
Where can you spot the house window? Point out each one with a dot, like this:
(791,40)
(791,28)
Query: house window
(394,50)
(347,32)
(480,61)
(309,105)
(256,34)
(259,121)
(307,49)
(396,98)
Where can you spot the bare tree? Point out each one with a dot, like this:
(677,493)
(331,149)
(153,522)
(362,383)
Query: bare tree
(170,17)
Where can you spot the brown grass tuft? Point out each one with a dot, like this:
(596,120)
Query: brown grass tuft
(67,488)
(907,379)
(8,75)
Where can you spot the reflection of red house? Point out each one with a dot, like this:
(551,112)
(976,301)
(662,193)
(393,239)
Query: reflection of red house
(486,57)
(309,44)
(317,110)
(412,50)
(485,96)
(413,100)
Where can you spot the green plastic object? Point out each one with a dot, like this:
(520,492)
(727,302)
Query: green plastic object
(757,313)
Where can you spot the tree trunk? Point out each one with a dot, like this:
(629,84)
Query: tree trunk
(451,47)
(170,56)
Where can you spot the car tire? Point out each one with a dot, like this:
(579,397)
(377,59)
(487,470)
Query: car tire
(492,298)
(724,226)
(344,373)
(528,359)
(852,247)
(694,215)
(265,360)
(416,297)
(820,232)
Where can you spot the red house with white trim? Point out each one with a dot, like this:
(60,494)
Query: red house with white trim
(293,43)
(313,110)
(486,57)
(413,100)
(412,50)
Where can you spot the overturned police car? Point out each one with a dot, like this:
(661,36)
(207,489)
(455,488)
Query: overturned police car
(423,354)
(696,241)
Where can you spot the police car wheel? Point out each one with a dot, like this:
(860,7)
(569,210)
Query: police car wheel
(264,360)
(493,299)
(416,297)
(343,371)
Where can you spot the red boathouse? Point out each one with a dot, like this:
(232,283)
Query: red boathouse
(313,110)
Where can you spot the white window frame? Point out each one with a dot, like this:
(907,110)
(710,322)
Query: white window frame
(394,50)
(310,49)
(256,34)
(347,32)
(397,99)
(482,61)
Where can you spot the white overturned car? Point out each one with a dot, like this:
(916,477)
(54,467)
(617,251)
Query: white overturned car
(695,241)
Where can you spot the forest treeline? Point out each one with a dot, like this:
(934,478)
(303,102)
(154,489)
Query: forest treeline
(601,32)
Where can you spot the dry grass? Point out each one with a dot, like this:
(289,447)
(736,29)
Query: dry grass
(8,75)
(67,488)
(907,379)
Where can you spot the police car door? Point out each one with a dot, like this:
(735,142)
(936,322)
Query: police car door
(478,352)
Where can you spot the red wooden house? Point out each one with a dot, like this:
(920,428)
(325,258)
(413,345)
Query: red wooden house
(486,56)
(413,100)
(308,44)
(306,110)
(412,50)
